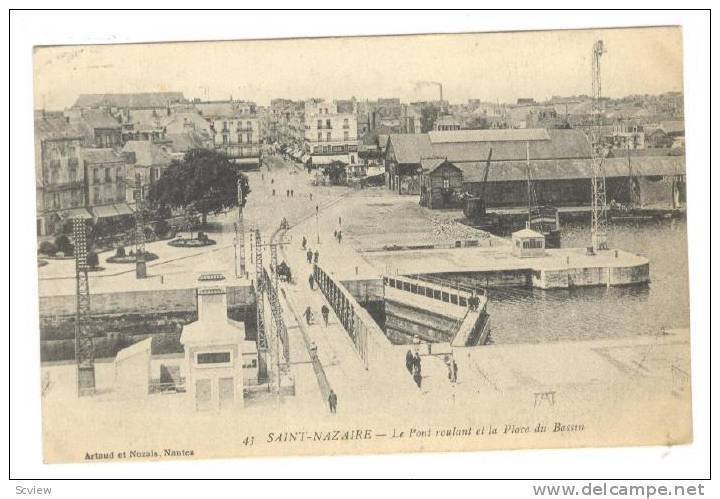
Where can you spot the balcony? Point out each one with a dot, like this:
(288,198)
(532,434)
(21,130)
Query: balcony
(64,186)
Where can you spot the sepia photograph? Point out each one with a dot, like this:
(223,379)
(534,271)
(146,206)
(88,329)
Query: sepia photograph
(438,242)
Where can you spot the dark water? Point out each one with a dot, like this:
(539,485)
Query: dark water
(530,316)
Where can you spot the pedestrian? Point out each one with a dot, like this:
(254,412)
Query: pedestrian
(339,236)
(308,316)
(262,175)
(317,208)
(335,234)
(272,180)
(273,192)
(409,361)
(339,220)
(325,311)
(304,242)
(454,370)
(311,196)
(292,193)
(332,401)
(316,256)
(309,255)
(311,280)
(417,363)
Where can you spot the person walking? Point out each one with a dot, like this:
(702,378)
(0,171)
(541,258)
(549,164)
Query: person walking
(339,236)
(309,255)
(316,256)
(339,220)
(273,192)
(308,316)
(304,242)
(332,401)
(417,363)
(409,361)
(325,311)
(311,281)
(311,196)
(292,193)
(454,367)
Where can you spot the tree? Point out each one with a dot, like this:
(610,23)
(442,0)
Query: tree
(336,172)
(477,123)
(428,115)
(204,181)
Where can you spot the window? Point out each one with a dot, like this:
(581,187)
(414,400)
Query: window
(319,136)
(212,358)
(327,124)
(346,135)
(96,194)
(346,123)
(328,137)
(248,125)
(446,183)
(108,175)
(72,174)
(248,138)
(240,138)
(319,124)
(96,175)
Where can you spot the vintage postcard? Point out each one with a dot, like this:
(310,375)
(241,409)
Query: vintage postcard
(325,246)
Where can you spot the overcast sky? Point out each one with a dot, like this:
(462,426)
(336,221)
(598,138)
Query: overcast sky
(491,66)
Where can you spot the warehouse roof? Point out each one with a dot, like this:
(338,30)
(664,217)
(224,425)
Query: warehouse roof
(565,169)
(410,147)
(494,135)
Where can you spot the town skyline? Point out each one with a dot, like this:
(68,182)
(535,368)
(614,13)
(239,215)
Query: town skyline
(639,61)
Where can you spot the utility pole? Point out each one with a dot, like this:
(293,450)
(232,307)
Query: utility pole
(84,348)
(317,222)
(140,267)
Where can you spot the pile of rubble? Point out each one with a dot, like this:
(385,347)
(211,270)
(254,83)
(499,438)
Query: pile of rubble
(444,230)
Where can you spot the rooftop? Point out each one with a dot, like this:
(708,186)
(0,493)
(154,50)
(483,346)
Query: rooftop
(147,153)
(134,100)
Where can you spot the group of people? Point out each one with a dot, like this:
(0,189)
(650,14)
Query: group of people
(474,302)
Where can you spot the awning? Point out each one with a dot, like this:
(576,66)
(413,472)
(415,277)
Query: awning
(105,211)
(123,209)
(247,161)
(322,159)
(76,213)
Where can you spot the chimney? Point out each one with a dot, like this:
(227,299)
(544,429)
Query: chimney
(211,297)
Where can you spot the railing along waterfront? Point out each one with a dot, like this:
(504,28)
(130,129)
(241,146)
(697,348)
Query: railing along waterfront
(431,290)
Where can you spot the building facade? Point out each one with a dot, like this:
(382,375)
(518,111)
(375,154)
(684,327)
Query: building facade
(330,135)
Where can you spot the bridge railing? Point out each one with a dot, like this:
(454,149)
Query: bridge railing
(430,290)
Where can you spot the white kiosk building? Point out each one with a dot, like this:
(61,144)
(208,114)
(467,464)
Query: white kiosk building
(528,243)
(217,357)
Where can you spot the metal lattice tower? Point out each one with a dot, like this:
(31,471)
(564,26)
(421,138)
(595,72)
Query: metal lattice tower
(84,349)
(260,306)
(598,230)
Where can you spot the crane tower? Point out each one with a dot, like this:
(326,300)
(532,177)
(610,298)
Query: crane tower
(598,230)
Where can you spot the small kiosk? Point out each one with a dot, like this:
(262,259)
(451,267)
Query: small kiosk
(216,353)
(527,244)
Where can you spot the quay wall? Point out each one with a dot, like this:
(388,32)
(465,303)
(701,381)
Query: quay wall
(145,301)
(591,276)
(404,321)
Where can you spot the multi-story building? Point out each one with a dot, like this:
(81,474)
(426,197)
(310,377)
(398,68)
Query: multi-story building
(99,128)
(59,176)
(148,161)
(234,130)
(105,173)
(330,135)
